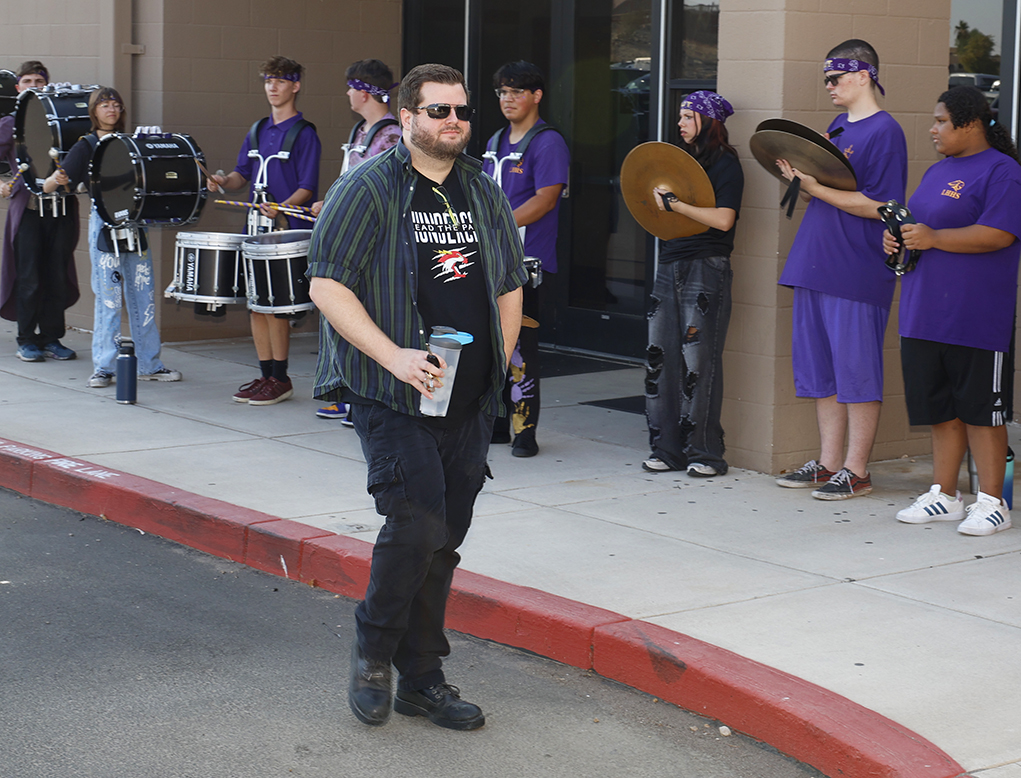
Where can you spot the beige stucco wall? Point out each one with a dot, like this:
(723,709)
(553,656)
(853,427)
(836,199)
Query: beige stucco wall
(199,75)
(771,53)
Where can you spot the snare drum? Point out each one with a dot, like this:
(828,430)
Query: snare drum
(208,269)
(275,265)
(45,120)
(147,179)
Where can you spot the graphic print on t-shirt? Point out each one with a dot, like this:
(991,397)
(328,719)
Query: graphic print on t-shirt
(452,288)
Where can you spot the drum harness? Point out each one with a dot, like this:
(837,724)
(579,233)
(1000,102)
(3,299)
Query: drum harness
(492,149)
(350,147)
(257,222)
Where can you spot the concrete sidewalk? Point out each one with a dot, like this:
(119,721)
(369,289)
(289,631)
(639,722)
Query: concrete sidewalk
(916,623)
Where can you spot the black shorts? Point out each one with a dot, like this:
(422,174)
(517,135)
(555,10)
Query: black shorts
(943,382)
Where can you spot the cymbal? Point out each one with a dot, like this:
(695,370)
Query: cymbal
(805,149)
(663,164)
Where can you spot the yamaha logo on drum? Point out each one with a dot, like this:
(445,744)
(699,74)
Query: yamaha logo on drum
(190,281)
(161,145)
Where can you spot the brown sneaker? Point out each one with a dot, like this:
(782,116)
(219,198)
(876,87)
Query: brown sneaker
(249,390)
(273,392)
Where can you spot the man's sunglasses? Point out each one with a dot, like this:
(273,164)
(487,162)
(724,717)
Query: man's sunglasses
(442,111)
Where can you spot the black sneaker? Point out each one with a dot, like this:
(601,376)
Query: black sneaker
(810,474)
(442,705)
(844,485)
(524,444)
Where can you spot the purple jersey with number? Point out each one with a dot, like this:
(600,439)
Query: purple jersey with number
(840,254)
(965,299)
(546,163)
(284,178)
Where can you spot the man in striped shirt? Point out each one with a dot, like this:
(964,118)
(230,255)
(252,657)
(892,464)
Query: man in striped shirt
(415,238)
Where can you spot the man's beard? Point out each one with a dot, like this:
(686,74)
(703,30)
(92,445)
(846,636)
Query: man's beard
(435,146)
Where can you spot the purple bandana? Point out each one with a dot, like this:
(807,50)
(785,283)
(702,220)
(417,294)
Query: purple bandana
(853,66)
(284,77)
(708,104)
(372,89)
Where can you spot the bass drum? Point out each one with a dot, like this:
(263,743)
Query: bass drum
(147,179)
(47,123)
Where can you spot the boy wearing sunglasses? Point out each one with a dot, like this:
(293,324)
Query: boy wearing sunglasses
(39,281)
(414,238)
(530,161)
(842,288)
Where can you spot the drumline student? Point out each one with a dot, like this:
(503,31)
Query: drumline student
(294,181)
(116,274)
(691,305)
(530,161)
(39,281)
(369,83)
(957,309)
(842,290)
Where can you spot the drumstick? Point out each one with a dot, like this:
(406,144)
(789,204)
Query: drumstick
(207,175)
(21,169)
(294,210)
(55,156)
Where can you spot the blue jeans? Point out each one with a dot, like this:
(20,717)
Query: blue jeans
(425,481)
(688,324)
(126,279)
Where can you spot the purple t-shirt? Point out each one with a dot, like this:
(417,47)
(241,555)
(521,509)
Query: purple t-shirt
(301,171)
(965,299)
(546,163)
(840,254)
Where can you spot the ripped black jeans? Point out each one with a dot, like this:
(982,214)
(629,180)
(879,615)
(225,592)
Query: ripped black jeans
(688,324)
(424,480)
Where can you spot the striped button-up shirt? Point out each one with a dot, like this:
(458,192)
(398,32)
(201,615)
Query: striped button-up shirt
(364,239)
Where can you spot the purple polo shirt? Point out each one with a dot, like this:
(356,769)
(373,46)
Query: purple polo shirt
(301,171)
(965,299)
(840,254)
(546,163)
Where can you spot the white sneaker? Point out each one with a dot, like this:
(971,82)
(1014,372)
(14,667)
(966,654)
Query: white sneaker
(933,506)
(656,465)
(700,470)
(985,517)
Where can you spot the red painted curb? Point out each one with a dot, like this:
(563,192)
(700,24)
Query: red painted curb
(810,723)
(805,721)
(526,618)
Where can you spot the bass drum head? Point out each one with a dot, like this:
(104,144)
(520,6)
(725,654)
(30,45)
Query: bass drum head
(34,140)
(113,180)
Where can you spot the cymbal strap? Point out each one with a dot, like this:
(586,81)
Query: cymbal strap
(790,198)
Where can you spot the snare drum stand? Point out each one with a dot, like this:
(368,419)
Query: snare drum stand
(259,223)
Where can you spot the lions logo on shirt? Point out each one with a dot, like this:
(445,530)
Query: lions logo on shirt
(955,189)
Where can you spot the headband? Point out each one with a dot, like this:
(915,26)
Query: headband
(708,104)
(372,89)
(853,66)
(282,76)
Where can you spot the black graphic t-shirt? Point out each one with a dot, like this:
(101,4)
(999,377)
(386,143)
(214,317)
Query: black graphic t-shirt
(452,287)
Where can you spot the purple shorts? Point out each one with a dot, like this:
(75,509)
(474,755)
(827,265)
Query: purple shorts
(837,347)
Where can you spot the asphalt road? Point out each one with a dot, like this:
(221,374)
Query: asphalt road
(122,654)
